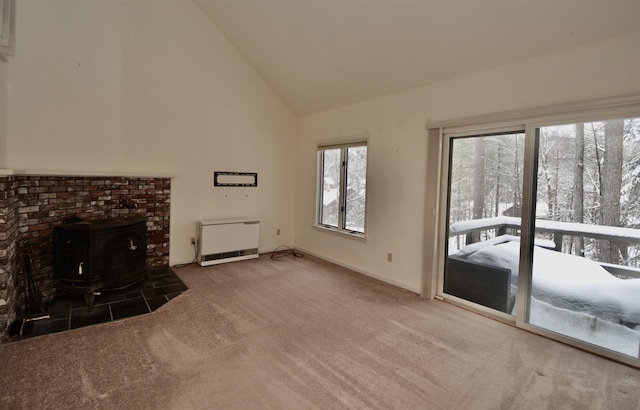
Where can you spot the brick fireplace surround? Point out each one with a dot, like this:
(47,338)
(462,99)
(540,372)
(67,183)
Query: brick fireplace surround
(31,205)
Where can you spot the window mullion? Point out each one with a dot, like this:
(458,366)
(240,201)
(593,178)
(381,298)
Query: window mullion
(343,190)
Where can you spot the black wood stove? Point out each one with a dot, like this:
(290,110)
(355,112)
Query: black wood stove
(90,256)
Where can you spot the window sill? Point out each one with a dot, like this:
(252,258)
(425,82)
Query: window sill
(339,232)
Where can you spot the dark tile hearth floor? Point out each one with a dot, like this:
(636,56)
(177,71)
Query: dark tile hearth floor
(69,311)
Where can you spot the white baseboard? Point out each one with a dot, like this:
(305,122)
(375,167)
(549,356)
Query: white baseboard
(359,270)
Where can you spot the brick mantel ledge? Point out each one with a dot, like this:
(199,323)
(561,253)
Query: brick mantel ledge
(72,173)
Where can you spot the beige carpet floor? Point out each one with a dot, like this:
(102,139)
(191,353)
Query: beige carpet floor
(301,333)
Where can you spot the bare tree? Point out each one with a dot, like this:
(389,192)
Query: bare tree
(547,156)
(611,186)
(578,186)
(478,183)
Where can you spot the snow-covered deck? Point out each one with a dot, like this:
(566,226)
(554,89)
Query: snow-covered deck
(570,295)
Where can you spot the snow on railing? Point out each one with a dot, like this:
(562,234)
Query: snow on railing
(612,233)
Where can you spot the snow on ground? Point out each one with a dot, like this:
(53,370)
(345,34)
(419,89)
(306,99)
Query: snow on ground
(585,327)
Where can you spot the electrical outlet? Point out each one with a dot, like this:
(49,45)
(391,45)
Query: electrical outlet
(278,231)
(389,257)
(193,241)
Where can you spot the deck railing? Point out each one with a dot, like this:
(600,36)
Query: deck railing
(558,230)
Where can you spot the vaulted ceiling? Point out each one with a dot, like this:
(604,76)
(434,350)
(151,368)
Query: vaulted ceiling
(321,54)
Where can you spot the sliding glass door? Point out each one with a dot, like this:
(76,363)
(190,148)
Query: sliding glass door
(542,228)
(484,205)
(586,283)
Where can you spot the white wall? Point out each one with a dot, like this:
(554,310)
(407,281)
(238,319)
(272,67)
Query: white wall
(398,144)
(150,87)
(65,94)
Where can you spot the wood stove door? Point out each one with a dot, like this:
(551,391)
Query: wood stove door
(122,259)
(74,263)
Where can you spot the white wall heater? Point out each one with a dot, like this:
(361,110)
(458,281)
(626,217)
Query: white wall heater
(227,240)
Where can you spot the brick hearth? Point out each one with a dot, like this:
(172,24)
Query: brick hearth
(30,206)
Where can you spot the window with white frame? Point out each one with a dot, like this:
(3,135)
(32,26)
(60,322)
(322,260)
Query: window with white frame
(342,182)
(7,28)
